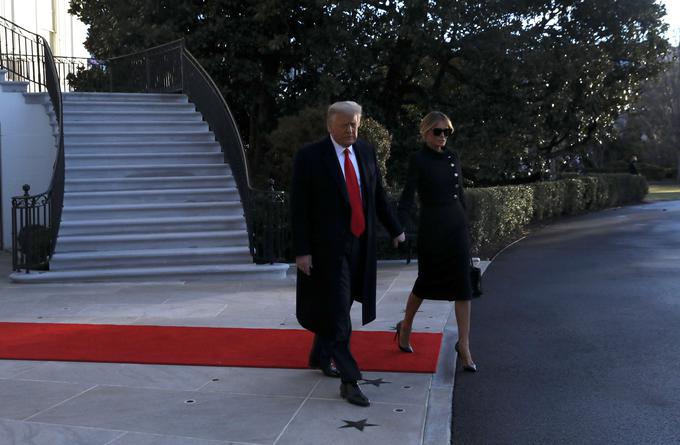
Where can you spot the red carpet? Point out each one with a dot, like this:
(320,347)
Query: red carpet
(179,345)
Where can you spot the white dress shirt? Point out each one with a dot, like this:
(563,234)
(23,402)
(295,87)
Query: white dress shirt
(340,152)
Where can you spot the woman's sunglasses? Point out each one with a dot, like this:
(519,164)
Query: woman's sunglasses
(439,131)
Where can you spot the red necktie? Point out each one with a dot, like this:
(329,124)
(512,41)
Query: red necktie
(358,224)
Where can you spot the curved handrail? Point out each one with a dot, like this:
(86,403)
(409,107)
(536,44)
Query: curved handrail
(56,189)
(163,46)
(185,81)
(36,218)
(235,136)
(171,68)
(265,211)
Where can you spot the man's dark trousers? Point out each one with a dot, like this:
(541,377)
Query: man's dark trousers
(337,346)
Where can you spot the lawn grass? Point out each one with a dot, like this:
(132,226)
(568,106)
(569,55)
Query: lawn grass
(663,192)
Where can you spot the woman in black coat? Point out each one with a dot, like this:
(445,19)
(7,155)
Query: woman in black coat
(443,240)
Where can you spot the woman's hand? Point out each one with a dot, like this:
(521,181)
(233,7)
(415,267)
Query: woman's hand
(304,263)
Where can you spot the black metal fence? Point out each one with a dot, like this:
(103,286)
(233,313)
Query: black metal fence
(35,218)
(270,231)
(70,65)
(22,67)
(33,242)
(155,70)
(22,55)
(171,68)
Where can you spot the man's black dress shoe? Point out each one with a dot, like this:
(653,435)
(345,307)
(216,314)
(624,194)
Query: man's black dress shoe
(353,394)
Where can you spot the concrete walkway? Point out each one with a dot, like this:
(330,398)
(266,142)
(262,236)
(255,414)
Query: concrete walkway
(71,403)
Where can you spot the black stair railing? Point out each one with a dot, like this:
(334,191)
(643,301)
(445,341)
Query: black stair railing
(171,68)
(35,218)
(22,55)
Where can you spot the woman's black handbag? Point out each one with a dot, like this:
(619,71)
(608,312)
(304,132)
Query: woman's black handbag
(476,280)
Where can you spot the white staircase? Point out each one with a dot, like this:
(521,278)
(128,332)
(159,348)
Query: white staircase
(147,195)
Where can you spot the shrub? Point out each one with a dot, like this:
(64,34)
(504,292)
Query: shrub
(499,214)
(35,244)
(89,79)
(574,196)
(652,172)
(378,136)
(549,199)
(291,133)
(496,213)
(655,172)
(309,125)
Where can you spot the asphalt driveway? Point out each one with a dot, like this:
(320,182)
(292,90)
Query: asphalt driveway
(578,335)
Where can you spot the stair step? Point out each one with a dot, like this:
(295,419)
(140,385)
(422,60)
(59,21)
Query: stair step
(123,225)
(124,97)
(142,147)
(222,238)
(137,116)
(9,86)
(148,125)
(150,258)
(137,136)
(110,159)
(147,171)
(147,194)
(143,196)
(180,209)
(37,98)
(151,210)
(194,272)
(177,182)
(148,107)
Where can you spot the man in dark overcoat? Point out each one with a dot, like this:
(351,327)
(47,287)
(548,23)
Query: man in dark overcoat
(337,193)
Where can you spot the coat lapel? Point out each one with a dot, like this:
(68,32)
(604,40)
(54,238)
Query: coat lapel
(361,161)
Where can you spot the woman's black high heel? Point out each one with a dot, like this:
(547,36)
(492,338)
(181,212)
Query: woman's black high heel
(397,337)
(469,368)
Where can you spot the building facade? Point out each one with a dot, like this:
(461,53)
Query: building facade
(50,19)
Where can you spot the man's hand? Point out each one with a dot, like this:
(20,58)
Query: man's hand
(399,239)
(304,263)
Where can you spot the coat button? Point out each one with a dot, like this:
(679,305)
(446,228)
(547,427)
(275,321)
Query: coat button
(455,174)
(455,196)
(456,186)
(453,165)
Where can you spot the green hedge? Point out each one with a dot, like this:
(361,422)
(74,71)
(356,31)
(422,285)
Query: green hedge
(652,172)
(498,214)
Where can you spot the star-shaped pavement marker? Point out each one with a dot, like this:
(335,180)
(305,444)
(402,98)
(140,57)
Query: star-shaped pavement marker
(375,382)
(358,424)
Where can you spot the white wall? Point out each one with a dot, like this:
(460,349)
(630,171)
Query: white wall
(27,153)
(50,19)
(27,144)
